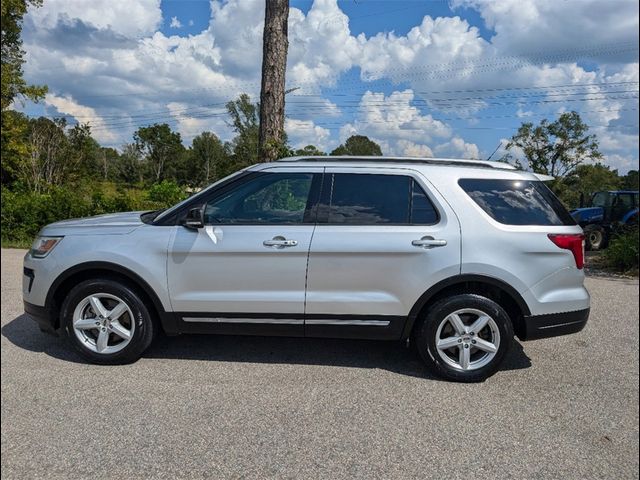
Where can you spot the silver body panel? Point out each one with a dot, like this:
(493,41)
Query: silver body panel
(228,269)
(375,269)
(333,270)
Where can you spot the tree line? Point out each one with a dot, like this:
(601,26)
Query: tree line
(52,170)
(43,153)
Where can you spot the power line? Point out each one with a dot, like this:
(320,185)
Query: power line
(322,106)
(383,121)
(385,106)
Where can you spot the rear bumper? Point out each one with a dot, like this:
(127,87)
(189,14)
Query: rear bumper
(42,316)
(554,324)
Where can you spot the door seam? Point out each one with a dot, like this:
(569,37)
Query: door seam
(306,273)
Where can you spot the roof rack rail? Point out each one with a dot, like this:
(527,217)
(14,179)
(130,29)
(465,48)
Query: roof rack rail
(428,161)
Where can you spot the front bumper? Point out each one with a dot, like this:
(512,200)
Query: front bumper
(554,324)
(42,316)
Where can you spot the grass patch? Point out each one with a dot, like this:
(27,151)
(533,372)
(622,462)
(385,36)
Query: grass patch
(9,243)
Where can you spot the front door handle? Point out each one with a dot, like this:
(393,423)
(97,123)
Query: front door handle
(279,242)
(429,242)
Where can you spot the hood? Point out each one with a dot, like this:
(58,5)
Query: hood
(109,224)
(588,214)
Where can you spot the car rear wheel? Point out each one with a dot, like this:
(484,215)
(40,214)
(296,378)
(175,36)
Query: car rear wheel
(464,338)
(107,322)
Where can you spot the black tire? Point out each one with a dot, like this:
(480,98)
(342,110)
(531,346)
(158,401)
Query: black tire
(143,333)
(426,331)
(595,237)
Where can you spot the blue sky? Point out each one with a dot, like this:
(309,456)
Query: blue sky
(423,77)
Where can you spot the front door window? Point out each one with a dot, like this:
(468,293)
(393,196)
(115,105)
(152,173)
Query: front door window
(268,199)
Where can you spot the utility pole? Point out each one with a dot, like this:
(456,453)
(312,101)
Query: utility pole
(274,64)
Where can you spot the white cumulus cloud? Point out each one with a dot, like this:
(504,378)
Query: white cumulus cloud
(83,114)
(305,132)
(111,57)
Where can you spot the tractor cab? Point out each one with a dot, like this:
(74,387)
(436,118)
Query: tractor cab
(605,211)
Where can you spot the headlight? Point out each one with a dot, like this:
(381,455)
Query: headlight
(43,245)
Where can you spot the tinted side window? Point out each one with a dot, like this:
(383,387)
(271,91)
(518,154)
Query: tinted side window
(626,200)
(271,198)
(517,202)
(422,210)
(371,199)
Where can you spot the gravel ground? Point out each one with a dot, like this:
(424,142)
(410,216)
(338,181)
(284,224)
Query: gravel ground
(247,407)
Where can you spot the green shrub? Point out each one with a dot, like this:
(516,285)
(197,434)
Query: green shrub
(623,251)
(24,213)
(166,193)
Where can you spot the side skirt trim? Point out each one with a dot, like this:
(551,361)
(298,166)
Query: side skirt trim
(380,327)
(279,321)
(359,323)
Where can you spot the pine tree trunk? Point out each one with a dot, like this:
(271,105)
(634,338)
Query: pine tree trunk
(274,64)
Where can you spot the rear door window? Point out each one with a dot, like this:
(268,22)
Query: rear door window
(374,199)
(517,202)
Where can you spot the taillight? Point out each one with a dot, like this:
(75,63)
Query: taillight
(573,242)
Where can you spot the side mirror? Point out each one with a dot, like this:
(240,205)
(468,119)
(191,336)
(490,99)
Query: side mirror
(195,218)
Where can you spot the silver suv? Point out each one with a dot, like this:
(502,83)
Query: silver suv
(455,256)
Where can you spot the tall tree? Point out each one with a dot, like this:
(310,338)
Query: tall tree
(128,167)
(47,163)
(15,145)
(244,120)
(207,156)
(107,160)
(358,145)
(630,180)
(161,147)
(15,126)
(13,83)
(556,148)
(274,64)
(83,151)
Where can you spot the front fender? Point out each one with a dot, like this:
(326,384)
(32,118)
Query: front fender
(631,217)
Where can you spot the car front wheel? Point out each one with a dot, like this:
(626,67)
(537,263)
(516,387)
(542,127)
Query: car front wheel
(464,338)
(107,322)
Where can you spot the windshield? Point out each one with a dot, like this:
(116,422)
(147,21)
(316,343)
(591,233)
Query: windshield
(601,199)
(168,211)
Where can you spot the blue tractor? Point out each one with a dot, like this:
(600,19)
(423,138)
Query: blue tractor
(604,214)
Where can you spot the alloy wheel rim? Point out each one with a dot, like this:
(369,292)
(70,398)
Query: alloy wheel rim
(103,323)
(467,339)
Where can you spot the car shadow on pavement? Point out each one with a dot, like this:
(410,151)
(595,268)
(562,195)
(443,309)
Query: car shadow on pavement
(393,356)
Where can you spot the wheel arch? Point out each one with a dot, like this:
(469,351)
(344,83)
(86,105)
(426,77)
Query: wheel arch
(84,271)
(502,293)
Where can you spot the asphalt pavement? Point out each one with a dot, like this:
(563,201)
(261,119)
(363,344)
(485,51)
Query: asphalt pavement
(256,407)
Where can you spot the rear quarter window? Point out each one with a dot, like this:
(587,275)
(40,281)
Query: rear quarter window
(517,202)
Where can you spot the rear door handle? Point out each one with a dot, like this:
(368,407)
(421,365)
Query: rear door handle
(280,242)
(429,242)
